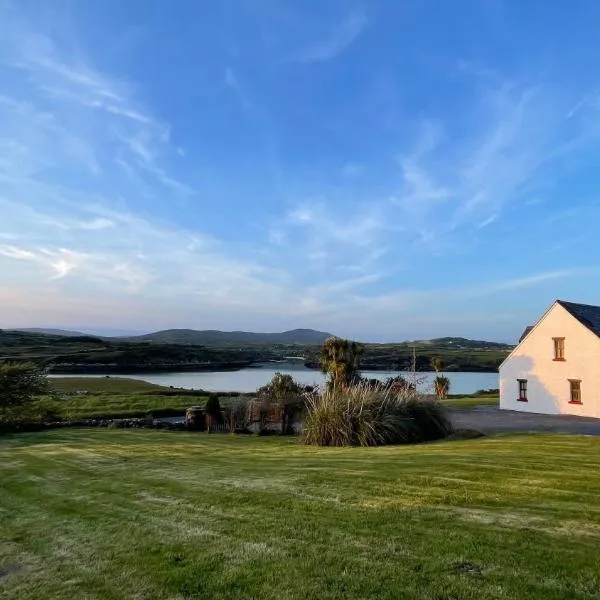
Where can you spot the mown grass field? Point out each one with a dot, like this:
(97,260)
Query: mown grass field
(112,397)
(113,406)
(472,402)
(105,385)
(117,514)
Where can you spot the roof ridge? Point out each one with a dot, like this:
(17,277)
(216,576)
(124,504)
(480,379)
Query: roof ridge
(587,314)
(578,303)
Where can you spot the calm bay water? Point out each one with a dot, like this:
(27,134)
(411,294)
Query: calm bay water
(248,380)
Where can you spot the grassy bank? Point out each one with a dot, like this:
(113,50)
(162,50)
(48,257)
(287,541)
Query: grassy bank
(114,397)
(113,406)
(122,397)
(104,385)
(472,401)
(113,514)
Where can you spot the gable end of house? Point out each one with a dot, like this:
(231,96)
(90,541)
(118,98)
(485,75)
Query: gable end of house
(587,314)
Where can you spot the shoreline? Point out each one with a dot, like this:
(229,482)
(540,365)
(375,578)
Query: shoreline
(229,368)
(113,369)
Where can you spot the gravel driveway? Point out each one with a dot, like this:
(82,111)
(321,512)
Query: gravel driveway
(489,419)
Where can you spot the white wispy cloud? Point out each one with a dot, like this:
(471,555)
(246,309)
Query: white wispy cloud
(233,83)
(231,80)
(59,263)
(513,149)
(326,236)
(323,224)
(488,221)
(408,300)
(532,280)
(80,107)
(69,223)
(341,35)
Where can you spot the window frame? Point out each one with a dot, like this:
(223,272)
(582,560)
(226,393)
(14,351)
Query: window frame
(575,391)
(559,349)
(522,383)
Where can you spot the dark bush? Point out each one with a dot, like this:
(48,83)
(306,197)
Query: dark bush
(213,412)
(19,384)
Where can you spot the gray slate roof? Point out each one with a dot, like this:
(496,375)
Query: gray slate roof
(526,332)
(586,314)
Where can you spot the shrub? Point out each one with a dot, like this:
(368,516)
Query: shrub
(395,385)
(280,387)
(213,411)
(284,394)
(362,416)
(238,415)
(489,392)
(399,385)
(195,418)
(19,384)
(430,420)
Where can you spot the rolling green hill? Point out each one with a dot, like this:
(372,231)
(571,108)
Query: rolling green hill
(46,331)
(89,354)
(232,338)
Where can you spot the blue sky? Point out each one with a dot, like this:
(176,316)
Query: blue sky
(383,170)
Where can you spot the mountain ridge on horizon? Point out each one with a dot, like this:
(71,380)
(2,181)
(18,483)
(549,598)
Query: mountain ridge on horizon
(205,337)
(215,337)
(208,337)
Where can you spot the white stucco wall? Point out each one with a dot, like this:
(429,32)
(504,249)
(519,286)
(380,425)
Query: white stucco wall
(548,389)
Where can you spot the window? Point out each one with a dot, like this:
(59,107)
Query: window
(522,390)
(575,391)
(559,348)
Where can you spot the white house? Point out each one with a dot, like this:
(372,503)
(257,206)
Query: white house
(555,369)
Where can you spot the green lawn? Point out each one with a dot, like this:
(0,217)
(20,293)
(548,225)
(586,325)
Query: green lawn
(113,397)
(105,385)
(123,397)
(472,402)
(116,405)
(120,514)
(113,405)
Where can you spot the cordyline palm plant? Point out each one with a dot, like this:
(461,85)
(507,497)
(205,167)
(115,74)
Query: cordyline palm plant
(360,415)
(341,360)
(441,382)
(442,386)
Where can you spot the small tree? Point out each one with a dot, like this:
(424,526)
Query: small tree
(213,411)
(280,387)
(341,360)
(282,390)
(19,384)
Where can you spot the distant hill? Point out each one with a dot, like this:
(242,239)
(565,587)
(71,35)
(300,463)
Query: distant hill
(459,343)
(43,331)
(188,350)
(305,337)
